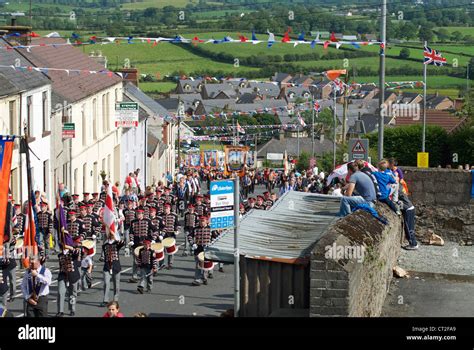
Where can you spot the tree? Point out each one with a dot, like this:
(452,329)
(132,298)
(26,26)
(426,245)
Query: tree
(408,31)
(425,33)
(404,53)
(303,161)
(443,34)
(456,36)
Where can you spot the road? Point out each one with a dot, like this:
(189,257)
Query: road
(172,294)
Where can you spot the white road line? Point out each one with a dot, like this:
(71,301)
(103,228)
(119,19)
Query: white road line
(55,281)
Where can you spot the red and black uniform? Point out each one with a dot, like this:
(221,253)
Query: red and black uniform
(202,237)
(90,225)
(157,223)
(170,225)
(130,215)
(147,259)
(75,228)
(141,229)
(146,210)
(110,252)
(201,209)
(45,224)
(191,221)
(69,265)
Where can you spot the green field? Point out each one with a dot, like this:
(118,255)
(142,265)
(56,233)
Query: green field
(463,30)
(157,87)
(162,3)
(163,59)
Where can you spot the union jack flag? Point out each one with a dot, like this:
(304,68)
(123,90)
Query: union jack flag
(301,120)
(433,57)
(317,106)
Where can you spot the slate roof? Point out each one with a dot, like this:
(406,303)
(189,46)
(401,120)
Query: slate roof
(22,80)
(444,119)
(73,87)
(290,144)
(7,88)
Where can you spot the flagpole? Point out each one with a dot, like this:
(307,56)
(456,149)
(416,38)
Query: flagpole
(312,126)
(424,106)
(335,132)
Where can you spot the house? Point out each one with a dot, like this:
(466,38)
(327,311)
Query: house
(218,91)
(267,89)
(444,119)
(322,89)
(250,98)
(301,79)
(150,146)
(290,145)
(436,101)
(189,86)
(87,101)
(26,102)
(291,94)
(366,124)
(281,78)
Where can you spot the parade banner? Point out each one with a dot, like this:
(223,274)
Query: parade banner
(209,158)
(194,160)
(6,151)
(235,159)
(220,159)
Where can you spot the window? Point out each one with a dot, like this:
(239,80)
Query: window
(84,177)
(44,109)
(75,181)
(107,108)
(94,118)
(104,113)
(109,168)
(84,125)
(14,125)
(46,176)
(29,114)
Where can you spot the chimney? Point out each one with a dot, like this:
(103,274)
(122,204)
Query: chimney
(130,75)
(23,39)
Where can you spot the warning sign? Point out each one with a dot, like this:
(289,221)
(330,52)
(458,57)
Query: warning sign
(358,149)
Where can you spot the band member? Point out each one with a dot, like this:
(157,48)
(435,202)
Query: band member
(144,206)
(19,226)
(267,201)
(199,239)
(75,227)
(98,203)
(35,289)
(140,229)
(74,206)
(170,228)
(8,266)
(69,276)
(157,223)
(200,208)
(95,198)
(130,215)
(86,196)
(260,203)
(112,267)
(90,223)
(45,225)
(148,265)
(86,268)
(169,199)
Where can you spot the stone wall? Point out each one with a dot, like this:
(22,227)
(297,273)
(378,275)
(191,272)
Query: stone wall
(348,285)
(443,203)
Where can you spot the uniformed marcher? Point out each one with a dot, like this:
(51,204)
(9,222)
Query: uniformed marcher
(45,226)
(199,239)
(191,221)
(157,223)
(200,207)
(69,276)
(140,229)
(74,226)
(148,265)
(74,206)
(170,228)
(20,218)
(112,267)
(130,215)
(89,223)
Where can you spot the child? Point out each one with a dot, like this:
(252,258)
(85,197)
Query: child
(113,310)
(86,268)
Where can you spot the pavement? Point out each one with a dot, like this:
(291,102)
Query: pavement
(441,283)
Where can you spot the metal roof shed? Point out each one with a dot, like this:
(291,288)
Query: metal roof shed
(275,246)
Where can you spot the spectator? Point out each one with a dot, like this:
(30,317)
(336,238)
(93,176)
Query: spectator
(408,210)
(113,310)
(360,183)
(384,179)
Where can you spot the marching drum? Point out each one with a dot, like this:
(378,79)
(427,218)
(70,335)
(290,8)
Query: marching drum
(159,251)
(206,265)
(136,251)
(90,245)
(170,246)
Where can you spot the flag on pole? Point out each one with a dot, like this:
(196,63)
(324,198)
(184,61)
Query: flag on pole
(30,247)
(6,151)
(317,106)
(109,213)
(433,57)
(301,120)
(240,129)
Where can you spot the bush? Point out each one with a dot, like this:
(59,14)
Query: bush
(404,53)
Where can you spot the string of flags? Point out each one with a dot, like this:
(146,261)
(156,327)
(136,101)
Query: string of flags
(179,39)
(68,71)
(227,136)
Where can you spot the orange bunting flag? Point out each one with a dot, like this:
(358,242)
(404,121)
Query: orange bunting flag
(334,74)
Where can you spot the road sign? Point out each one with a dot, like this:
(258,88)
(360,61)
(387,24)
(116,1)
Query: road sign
(222,204)
(422,160)
(126,114)
(358,149)
(69,130)
(275,156)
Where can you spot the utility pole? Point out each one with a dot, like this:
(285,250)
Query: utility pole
(344,111)
(383,40)
(423,137)
(335,127)
(312,125)
(179,143)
